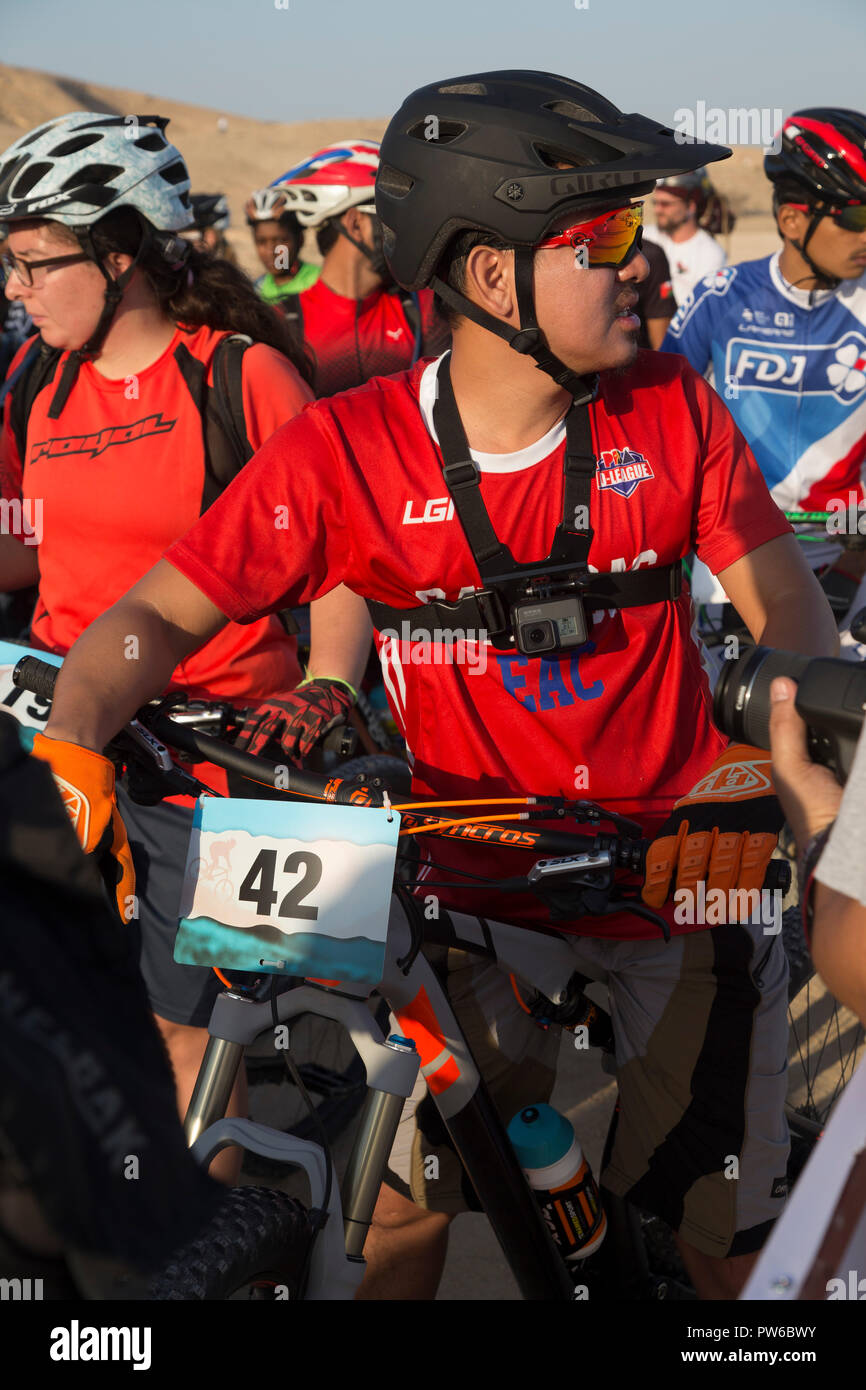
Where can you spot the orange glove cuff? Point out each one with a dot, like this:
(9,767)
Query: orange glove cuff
(86,783)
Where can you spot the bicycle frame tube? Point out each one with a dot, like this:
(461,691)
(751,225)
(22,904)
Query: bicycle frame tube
(478,1134)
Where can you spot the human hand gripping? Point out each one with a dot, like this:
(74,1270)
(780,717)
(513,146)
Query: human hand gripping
(722,833)
(298,719)
(86,783)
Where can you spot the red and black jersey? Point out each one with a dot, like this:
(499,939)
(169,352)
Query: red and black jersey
(353,340)
(626,719)
(118,477)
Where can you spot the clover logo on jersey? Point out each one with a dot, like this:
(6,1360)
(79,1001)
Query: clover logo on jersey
(622,470)
(847,375)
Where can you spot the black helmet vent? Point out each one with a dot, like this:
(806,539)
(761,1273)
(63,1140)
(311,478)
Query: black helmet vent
(572,111)
(29,177)
(445,130)
(394,181)
(174,173)
(153,142)
(464,89)
(562,159)
(92,173)
(78,142)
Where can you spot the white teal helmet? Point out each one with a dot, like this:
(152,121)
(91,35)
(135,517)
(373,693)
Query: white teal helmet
(79,167)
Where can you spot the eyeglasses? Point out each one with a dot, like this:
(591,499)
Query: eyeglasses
(24,269)
(612,238)
(852,219)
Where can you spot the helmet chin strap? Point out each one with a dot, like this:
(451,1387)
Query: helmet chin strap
(114,291)
(824,279)
(375,254)
(528,338)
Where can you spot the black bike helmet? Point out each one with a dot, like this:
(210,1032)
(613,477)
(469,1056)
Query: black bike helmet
(823,150)
(822,162)
(209,210)
(485,152)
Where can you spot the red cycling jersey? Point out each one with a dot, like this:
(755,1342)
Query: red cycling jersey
(624,720)
(355,339)
(119,477)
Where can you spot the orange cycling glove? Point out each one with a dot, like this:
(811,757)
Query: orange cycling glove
(722,834)
(86,783)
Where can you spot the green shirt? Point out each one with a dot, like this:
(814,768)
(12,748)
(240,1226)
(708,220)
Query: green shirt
(271,292)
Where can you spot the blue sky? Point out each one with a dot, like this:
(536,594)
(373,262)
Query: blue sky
(345,58)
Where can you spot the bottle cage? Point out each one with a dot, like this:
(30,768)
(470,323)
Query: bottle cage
(505,583)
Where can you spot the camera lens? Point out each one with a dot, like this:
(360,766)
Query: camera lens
(741,703)
(537,637)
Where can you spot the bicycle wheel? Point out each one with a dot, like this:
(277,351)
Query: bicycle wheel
(254,1246)
(825,1044)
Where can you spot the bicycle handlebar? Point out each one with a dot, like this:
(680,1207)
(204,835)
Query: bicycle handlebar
(627,852)
(587,860)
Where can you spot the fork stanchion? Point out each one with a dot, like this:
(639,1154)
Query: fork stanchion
(213,1087)
(374,1141)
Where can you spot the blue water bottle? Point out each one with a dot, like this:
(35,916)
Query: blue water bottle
(550,1155)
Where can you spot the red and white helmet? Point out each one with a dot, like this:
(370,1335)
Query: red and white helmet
(339,177)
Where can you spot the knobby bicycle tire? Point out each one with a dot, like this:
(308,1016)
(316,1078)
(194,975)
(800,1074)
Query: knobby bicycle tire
(258,1237)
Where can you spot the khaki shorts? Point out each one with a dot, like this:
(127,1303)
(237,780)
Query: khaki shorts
(701,1051)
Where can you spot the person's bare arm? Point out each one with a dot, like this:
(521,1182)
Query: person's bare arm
(839,946)
(128,654)
(19,564)
(780,600)
(340,632)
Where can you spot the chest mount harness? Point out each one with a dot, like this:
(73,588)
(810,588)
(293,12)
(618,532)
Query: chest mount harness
(541,607)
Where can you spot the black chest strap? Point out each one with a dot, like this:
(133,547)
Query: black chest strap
(487,609)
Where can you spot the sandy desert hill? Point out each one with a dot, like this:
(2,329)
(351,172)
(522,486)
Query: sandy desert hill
(235,154)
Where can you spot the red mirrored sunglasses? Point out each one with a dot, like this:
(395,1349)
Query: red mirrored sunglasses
(852,218)
(612,238)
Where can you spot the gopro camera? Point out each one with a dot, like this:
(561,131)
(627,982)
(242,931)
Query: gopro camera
(549,625)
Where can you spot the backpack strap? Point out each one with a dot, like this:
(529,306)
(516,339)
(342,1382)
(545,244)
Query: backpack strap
(224,435)
(224,431)
(33,372)
(228,374)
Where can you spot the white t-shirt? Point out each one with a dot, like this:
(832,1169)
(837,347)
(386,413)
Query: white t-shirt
(689,260)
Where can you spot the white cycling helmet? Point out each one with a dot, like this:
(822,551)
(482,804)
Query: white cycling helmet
(265,205)
(79,167)
(337,178)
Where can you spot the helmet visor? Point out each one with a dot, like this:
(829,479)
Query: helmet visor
(612,238)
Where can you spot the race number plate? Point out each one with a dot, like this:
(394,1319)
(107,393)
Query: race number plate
(31,711)
(294,889)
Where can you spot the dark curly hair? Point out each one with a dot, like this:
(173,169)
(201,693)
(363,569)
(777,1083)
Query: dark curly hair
(206,291)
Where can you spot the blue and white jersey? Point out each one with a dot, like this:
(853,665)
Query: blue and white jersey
(791,367)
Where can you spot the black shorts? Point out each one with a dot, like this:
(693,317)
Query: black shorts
(158,837)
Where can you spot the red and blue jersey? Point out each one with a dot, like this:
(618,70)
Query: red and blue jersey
(791,365)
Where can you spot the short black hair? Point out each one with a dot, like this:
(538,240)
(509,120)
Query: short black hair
(452,265)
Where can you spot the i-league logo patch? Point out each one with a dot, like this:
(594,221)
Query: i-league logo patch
(621,470)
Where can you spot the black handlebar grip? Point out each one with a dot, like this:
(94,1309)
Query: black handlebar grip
(36,676)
